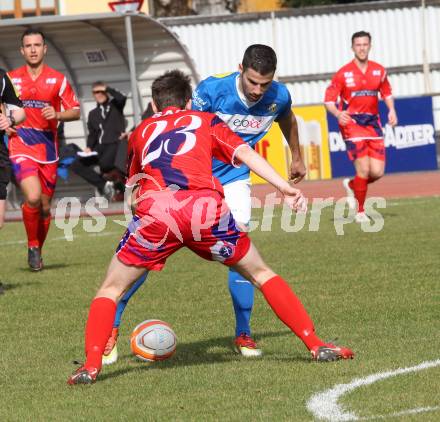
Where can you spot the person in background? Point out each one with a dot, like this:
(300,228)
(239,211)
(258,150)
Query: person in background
(358,85)
(106,129)
(48,99)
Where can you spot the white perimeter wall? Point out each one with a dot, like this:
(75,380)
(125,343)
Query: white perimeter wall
(317,45)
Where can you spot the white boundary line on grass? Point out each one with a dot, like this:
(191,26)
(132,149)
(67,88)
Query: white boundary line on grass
(19,242)
(325,405)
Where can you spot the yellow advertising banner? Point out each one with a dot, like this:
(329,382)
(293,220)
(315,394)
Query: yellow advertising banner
(313,137)
(273,148)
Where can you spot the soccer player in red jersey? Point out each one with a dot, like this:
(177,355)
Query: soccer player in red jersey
(358,85)
(180,203)
(33,147)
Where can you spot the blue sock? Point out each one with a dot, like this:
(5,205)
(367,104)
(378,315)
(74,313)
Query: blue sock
(242,294)
(128,294)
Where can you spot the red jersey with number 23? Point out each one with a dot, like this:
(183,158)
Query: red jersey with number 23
(176,147)
(359,95)
(180,202)
(36,137)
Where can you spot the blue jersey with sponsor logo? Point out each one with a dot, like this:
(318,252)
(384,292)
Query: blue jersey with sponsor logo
(220,95)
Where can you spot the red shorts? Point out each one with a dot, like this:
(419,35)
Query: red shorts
(362,126)
(24,167)
(166,221)
(374,148)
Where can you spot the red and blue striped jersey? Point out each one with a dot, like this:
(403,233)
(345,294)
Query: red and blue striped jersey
(36,137)
(176,147)
(358,91)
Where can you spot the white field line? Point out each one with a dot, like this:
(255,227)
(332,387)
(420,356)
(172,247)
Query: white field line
(56,239)
(325,405)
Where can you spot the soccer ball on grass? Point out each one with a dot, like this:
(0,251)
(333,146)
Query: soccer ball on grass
(153,340)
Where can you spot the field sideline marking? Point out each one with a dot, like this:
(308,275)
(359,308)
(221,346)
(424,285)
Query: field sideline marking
(19,242)
(325,405)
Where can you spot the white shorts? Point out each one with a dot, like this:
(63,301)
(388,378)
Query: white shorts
(238,199)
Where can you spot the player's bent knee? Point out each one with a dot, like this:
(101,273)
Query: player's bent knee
(363,172)
(266,277)
(253,268)
(262,276)
(110,292)
(375,175)
(33,201)
(111,289)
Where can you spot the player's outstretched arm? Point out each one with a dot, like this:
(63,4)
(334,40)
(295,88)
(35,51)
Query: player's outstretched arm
(289,127)
(293,197)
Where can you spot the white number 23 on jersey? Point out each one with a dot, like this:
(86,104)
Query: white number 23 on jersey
(159,127)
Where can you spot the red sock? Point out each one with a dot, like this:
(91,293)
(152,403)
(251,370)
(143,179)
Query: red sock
(98,330)
(359,186)
(43,228)
(290,310)
(31,217)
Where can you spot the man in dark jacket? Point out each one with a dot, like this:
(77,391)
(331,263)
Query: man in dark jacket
(106,127)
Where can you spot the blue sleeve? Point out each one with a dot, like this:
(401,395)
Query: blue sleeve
(286,106)
(201,99)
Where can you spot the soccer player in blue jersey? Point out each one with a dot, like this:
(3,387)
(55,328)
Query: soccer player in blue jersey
(249,101)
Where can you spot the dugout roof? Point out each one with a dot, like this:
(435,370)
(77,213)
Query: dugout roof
(93,47)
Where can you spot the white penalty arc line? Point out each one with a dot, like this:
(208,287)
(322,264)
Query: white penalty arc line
(325,405)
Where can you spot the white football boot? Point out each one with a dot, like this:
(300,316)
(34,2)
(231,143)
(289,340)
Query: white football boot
(246,346)
(350,199)
(361,217)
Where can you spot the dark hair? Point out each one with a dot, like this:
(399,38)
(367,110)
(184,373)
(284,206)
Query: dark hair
(98,83)
(260,58)
(173,88)
(360,34)
(32,31)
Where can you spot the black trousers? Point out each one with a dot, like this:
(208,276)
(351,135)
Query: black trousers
(107,156)
(83,166)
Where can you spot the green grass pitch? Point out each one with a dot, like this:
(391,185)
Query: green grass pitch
(377,292)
